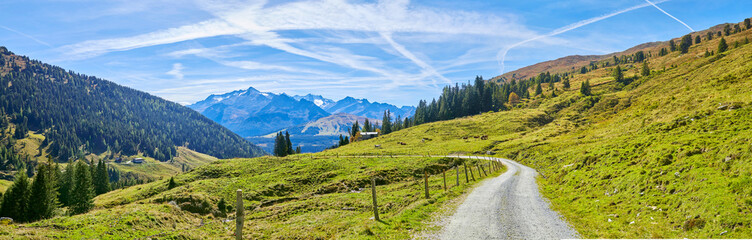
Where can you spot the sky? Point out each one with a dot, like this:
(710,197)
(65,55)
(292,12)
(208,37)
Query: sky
(396,51)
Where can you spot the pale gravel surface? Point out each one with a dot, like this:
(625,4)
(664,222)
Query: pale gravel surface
(507,207)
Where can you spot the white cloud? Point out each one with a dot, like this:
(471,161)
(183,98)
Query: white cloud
(177,71)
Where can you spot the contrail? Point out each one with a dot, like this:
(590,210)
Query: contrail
(501,56)
(26,35)
(656,6)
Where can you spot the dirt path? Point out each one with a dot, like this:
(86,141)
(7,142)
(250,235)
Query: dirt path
(507,207)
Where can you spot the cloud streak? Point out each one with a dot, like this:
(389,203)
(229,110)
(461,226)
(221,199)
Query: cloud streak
(501,56)
(680,21)
(26,35)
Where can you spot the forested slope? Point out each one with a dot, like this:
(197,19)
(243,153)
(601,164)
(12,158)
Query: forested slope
(79,114)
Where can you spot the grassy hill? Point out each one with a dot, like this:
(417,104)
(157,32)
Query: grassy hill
(660,156)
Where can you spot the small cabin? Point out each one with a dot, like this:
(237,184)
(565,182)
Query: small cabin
(138,160)
(368,135)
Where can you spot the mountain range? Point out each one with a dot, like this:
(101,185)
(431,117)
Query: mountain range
(253,114)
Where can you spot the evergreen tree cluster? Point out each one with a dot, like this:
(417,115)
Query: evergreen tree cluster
(74,188)
(80,114)
(283,145)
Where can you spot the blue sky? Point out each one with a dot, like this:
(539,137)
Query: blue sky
(388,51)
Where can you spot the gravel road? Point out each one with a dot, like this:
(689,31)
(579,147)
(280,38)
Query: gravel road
(507,207)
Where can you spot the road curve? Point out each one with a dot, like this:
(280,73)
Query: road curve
(507,207)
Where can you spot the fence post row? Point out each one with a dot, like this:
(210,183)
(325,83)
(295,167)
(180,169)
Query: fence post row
(239,215)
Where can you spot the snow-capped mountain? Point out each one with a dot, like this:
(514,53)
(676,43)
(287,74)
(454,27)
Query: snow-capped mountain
(318,100)
(251,112)
(315,121)
(364,108)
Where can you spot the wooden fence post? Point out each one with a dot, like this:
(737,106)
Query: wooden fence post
(375,204)
(471,173)
(444,174)
(239,215)
(467,180)
(484,170)
(458,176)
(425,178)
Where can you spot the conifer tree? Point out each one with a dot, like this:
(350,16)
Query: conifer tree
(686,42)
(566,83)
(645,69)
(538,90)
(82,194)
(698,39)
(710,36)
(617,74)
(66,185)
(297,150)
(722,46)
(16,199)
(585,88)
(280,145)
(43,194)
(747,24)
(355,129)
(367,126)
(101,178)
(288,144)
(171,184)
(386,123)
(672,45)
(727,30)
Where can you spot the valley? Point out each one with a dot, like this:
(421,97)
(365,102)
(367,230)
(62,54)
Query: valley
(650,142)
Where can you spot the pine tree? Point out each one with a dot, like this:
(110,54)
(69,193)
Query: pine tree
(43,194)
(66,185)
(585,88)
(747,24)
(617,74)
(16,199)
(82,194)
(672,45)
(288,144)
(727,30)
(538,90)
(280,145)
(171,184)
(101,178)
(355,129)
(566,83)
(722,46)
(645,69)
(386,123)
(698,39)
(710,36)
(686,42)
(297,150)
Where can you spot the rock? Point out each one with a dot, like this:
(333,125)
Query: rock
(723,107)
(724,232)
(676,174)
(630,223)
(6,221)
(609,220)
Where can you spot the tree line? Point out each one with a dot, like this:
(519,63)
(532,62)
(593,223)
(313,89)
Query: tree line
(52,188)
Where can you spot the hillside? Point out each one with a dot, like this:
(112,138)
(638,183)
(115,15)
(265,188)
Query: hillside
(662,156)
(665,155)
(47,110)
